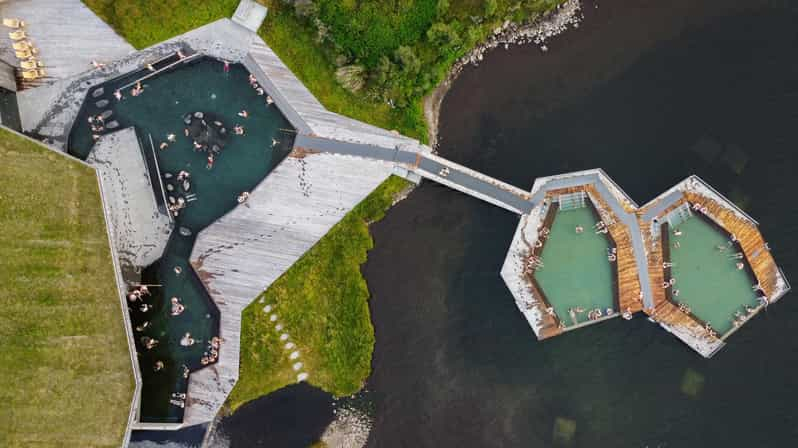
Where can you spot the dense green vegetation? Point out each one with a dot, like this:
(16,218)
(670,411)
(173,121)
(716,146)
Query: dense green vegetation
(322,301)
(64,364)
(373,60)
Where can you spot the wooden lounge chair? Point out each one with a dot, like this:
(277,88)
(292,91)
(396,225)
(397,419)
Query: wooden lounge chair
(21,45)
(30,75)
(25,54)
(13,23)
(17,35)
(31,64)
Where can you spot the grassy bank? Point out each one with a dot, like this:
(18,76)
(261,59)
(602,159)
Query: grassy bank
(322,301)
(64,364)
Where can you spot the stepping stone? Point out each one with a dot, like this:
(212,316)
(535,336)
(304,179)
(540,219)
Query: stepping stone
(106,114)
(185,231)
(112,125)
(289,346)
(302,377)
(97,92)
(273,317)
(101,104)
(297,366)
(284,337)
(293,355)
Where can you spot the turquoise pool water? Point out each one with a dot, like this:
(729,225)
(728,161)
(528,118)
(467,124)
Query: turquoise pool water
(200,85)
(576,272)
(706,276)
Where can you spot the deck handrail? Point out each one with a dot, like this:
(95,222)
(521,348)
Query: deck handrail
(161,70)
(729,201)
(160,179)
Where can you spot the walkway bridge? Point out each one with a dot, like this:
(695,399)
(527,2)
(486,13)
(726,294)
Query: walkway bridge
(432,167)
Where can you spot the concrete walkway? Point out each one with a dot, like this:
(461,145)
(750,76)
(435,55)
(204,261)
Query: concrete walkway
(432,167)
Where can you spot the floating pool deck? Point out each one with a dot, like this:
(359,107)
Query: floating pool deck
(690,259)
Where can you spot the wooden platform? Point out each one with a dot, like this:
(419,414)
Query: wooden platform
(757,254)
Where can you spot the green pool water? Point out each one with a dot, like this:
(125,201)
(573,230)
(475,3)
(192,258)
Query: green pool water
(576,272)
(201,85)
(707,279)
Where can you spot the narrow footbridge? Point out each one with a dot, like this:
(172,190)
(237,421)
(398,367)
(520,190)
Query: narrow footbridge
(432,167)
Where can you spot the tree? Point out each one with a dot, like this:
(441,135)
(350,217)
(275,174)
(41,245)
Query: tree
(305,8)
(443,36)
(407,58)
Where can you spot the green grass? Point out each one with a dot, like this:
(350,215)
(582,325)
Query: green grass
(322,301)
(64,365)
(148,22)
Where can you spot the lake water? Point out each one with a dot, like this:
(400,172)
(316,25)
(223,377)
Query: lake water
(652,92)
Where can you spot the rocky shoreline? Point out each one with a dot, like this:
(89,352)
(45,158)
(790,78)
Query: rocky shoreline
(537,32)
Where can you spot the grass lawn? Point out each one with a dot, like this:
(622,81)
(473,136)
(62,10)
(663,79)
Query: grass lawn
(64,365)
(322,301)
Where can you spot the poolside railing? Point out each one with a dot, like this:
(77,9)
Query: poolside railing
(727,200)
(160,179)
(161,70)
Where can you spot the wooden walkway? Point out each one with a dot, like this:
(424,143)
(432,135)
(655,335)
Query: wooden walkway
(626,265)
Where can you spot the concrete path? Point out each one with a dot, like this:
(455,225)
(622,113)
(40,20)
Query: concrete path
(432,167)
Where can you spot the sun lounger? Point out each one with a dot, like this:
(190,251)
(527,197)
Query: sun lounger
(21,45)
(25,54)
(31,64)
(17,35)
(30,75)
(13,23)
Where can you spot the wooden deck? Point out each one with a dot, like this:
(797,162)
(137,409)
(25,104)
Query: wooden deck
(549,324)
(654,257)
(753,244)
(626,265)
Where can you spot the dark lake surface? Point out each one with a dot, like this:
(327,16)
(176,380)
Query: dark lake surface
(652,92)
(641,89)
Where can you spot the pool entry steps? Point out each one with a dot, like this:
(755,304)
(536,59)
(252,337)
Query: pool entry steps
(689,259)
(208,227)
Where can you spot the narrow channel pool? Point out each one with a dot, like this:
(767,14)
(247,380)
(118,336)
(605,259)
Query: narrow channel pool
(199,85)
